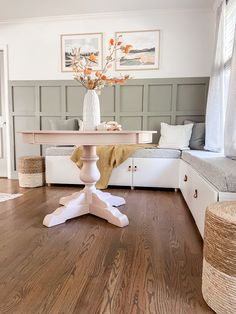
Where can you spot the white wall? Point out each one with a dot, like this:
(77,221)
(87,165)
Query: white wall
(186,42)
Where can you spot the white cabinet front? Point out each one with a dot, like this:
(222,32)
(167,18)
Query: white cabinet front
(60,169)
(122,175)
(204,194)
(156,172)
(198,193)
(185,182)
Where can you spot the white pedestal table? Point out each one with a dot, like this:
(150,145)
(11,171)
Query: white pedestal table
(89,200)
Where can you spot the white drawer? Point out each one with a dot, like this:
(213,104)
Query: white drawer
(185,181)
(203,194)
(198,193)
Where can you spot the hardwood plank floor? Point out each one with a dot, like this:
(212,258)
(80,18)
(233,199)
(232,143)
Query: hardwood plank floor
(88,266)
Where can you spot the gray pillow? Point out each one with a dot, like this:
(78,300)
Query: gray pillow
(197,140)
(64,125)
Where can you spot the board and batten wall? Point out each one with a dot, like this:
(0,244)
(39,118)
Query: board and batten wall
(141,104)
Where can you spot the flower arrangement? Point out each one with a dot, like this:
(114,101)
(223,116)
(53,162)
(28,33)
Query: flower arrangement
(83,67)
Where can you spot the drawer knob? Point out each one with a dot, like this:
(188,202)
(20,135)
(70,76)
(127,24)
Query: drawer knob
(129,168)
(185,178)
(135,168)
(195,195)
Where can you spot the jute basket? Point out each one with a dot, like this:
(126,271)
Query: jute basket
(31,172)
(219,262)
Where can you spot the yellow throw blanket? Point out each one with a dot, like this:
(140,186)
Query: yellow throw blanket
(110,156)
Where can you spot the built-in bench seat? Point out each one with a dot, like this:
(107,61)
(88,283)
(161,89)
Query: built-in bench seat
(214,167)
(140,169)
(206,178)
(203,177)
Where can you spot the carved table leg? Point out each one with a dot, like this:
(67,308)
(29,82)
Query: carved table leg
(89,200)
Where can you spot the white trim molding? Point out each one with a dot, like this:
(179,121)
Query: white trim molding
(103,15)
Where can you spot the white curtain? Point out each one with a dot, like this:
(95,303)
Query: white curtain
(230,119)
(215,112)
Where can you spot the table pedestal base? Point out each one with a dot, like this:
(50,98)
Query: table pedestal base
(105,196)
(89,200)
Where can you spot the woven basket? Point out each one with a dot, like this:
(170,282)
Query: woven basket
(31,171)
(219,262)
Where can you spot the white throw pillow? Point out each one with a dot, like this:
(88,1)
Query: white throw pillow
(175,136)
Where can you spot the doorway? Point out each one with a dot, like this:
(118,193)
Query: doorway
(3,118)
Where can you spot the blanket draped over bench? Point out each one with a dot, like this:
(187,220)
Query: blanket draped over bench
(110,156)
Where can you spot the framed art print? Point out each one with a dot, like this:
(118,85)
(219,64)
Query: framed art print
(145,51)
(88,43)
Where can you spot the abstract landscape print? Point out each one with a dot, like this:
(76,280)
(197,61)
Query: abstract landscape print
(87,43)
(145,51)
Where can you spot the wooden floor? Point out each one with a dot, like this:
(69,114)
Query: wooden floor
(88,266)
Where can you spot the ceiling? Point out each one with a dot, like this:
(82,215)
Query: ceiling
(19,9)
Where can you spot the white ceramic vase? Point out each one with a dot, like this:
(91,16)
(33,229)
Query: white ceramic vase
(91,111)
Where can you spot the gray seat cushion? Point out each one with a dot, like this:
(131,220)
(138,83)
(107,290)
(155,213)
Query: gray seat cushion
(60,151)
(141,153)
(68,125)
(157,153)
(216,168)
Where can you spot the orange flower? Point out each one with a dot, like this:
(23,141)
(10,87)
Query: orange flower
(111,42)
(109,81)
(122,81)
(88,71)
(127,48)
(84,73)
(92,57)
(90,84)
(98,74)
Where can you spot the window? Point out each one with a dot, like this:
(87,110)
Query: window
(230,21)
(229,31)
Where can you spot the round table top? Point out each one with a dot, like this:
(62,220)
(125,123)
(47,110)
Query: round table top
(87,137)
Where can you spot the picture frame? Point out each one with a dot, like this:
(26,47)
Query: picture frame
(145,51)
(88,42)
